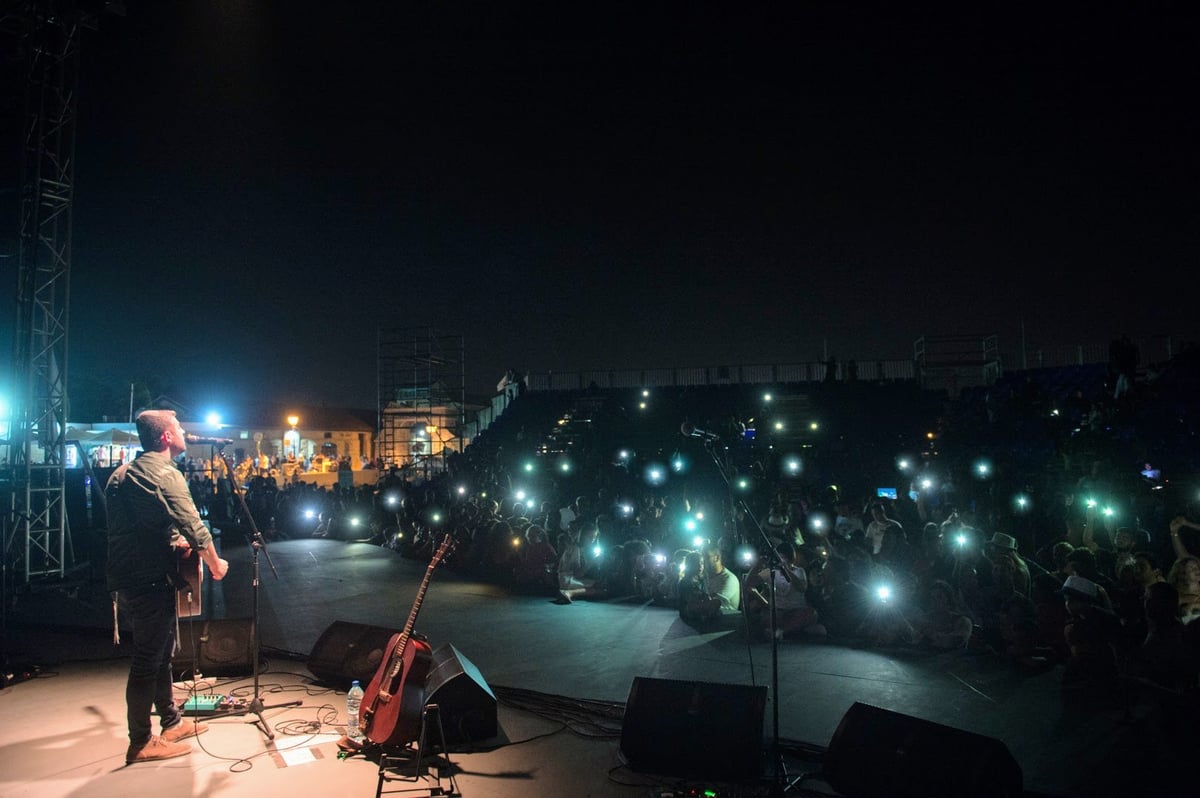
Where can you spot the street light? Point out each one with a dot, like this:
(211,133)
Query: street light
(291,438)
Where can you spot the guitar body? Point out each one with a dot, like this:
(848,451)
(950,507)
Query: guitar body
(392,705)
(191,576)
(391,708)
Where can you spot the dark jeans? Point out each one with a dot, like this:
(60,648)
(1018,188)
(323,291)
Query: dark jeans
(152,612)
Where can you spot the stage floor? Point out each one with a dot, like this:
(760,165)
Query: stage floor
(63,732)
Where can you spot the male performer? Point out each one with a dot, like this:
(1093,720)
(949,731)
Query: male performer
(151,516)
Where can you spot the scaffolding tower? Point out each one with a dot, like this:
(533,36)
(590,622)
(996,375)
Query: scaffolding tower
(422,397)
(48,36)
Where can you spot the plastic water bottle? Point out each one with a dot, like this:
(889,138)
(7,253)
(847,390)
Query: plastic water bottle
(353,702)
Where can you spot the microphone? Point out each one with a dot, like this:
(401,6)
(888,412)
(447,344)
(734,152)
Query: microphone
(201,440)
(688,430)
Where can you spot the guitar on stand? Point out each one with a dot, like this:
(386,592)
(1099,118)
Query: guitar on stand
(395,699)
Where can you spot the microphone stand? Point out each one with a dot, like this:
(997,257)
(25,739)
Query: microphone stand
(257,544)
(779,776)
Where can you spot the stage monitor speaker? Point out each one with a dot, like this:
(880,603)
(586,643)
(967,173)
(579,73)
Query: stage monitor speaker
(466,703)
(694,729)
(347,651)
(875,753)
(218,647)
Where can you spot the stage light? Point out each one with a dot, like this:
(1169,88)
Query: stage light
(660,558)
(564,466)
(626,510)
(699,541)
(767,397)
(354,521)
(528,467)
(1022,501)
(597,550)
(883,593)
(982,469)
(516,541)
(213,419)
(462,490)
(743,483)
(641,405)
(690,525)
(520,495)
(779,426)
(814,426)
(792,465)
(391,500)
(310,513)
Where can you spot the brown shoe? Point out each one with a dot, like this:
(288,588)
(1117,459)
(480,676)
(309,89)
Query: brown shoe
(154,749)
(188,727)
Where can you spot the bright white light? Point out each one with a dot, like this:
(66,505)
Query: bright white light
(528,468)
(596,550)
(883,592)
(767,397)
(462,490)
(391,501)
(520,495)
(213,419)
(660,558)
(697,541)
(778,426)
(354,521)
(689,525)
(310,513)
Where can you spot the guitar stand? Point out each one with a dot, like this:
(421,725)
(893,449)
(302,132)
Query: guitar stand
(390,764)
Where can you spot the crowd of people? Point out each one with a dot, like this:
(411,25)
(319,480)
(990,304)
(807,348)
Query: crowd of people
(1035,532)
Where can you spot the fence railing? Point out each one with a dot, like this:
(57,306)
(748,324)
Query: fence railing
(813,371)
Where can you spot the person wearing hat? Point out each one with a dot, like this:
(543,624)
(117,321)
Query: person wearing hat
(1092,633)
(1002,548)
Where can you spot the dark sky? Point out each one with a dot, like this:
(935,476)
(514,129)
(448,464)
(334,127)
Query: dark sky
(260,186)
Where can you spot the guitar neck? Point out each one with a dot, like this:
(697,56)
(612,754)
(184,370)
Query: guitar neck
(410,624)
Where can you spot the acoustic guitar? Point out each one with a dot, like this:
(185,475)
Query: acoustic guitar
(190,575)
(391,708)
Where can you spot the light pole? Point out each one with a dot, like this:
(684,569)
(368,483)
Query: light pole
(291,440)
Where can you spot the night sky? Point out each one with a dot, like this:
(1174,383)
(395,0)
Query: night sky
(261,185)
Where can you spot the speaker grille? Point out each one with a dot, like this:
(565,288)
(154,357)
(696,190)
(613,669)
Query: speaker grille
(694,729)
